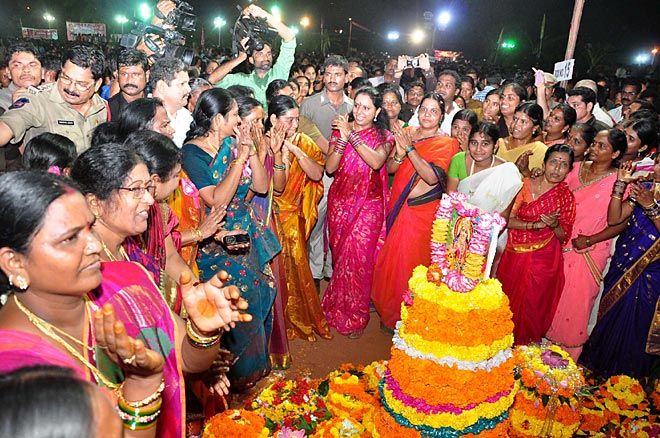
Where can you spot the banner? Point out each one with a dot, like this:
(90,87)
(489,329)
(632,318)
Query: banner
(446,54)
(39,34)
(73,29)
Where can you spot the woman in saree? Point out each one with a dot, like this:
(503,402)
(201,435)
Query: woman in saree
(558,123)
(252,113)
(511,96)
(626,334)
(297,210)
(585,257)
(531,270)
(106,321)
(463,124)
(163,239)
(519,147)
(419,162)
(357,202)
(491,182)
(580,137)
(224,170)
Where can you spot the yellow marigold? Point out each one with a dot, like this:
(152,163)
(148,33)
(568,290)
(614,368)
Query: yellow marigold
(236,422)
(487,295)
(462,421)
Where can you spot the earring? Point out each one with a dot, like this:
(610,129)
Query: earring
(375,118)
(21,283)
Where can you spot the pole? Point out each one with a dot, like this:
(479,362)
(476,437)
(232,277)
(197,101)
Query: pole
(538,55)
(350,34)
(497,46)
(573,34)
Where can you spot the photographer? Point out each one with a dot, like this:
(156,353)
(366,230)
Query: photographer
(264,70)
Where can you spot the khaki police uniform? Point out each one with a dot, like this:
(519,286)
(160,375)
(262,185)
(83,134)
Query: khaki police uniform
(46,111)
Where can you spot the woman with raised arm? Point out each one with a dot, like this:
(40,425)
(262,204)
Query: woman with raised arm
(106,321)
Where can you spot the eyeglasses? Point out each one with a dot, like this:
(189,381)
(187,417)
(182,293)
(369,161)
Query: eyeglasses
(138,192)
(82,86)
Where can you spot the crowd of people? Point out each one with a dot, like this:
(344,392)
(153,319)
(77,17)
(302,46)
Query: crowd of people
(165,235)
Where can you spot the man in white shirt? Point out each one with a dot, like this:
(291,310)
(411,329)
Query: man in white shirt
(629,92)
(169,82)
(448,87)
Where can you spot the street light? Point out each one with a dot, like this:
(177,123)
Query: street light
(121,20)
(642,58)
(393,35)
(444,18)
(304,21)
(417,36)
(654,52)
(49,18)
(145,11)
(218,22)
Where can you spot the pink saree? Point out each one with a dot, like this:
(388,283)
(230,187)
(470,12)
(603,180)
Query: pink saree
(582,269)
(356,220)
(139,305)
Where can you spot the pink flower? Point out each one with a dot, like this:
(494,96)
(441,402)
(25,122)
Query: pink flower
(290,433)
(554,360)
(408,298)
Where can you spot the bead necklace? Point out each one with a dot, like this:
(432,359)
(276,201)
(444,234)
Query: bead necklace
(51,331)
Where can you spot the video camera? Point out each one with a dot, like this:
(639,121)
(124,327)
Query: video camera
(181,17)
(171,46)
(252,28)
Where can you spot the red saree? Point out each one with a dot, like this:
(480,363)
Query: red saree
(532,267)
(413,223)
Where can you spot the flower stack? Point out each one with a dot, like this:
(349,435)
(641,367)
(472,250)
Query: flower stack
(451,370)
(548,402)
(619,408)
(292,404)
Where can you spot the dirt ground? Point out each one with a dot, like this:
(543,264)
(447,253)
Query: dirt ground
(317,359)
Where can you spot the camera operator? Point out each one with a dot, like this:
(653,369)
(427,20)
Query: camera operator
(264,70)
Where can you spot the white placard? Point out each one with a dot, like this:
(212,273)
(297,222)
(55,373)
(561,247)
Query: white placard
(564,70)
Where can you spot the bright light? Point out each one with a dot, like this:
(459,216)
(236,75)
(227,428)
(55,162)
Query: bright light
(642,58)
(655,50)
(304,21)
(508,45)
(121,19)
(294,29)
(417,36)
(48,17)
(277,12)
(219,22)
(444,18)
(393,36)
(145,11)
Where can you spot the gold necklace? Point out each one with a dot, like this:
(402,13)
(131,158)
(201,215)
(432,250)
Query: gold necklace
(50,330)
(213,148)
(111,256)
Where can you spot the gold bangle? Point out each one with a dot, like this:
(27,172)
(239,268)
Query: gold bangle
(302,157)
(144,402)
(198,340)
(617,197)
(197,234)
(239,161)
(140,412)
(588,241)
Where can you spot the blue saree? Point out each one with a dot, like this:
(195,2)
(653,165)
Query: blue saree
(617,343)
(249,269)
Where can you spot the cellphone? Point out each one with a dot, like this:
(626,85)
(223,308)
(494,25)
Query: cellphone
(236,239)
(412,62)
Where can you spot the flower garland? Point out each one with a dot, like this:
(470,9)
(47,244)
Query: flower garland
(458,388)
(236,422)
(550,393)
(462,268)
(294,404)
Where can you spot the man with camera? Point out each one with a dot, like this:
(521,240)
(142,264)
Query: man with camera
(264,70)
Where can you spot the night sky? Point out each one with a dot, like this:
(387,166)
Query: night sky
(618,29)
